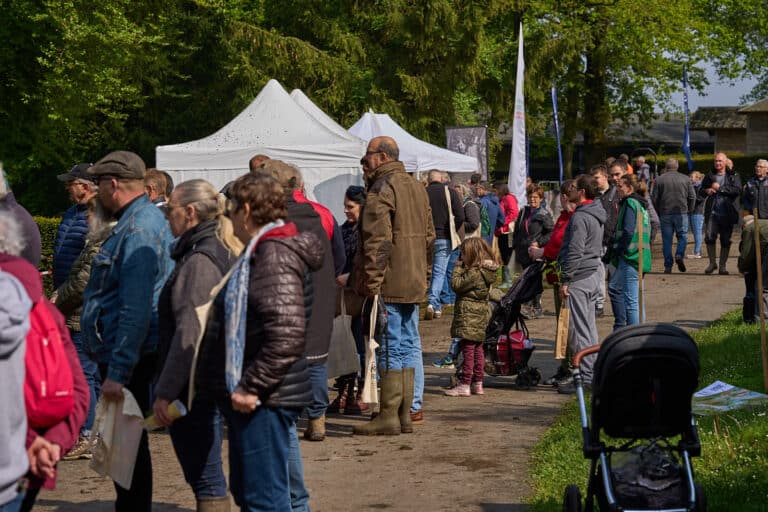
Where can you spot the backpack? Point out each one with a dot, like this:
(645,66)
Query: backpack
(48,383)
(485,221)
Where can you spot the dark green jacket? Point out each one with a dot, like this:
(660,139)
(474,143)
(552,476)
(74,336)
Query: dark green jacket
(69,296)
(472,312)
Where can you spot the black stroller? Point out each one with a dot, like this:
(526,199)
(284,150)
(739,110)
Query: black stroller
(643,381)
(507,346)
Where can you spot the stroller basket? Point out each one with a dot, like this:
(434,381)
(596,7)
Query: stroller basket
(643,382)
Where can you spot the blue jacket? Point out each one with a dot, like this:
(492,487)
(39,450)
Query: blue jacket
(495,215)
(69,243)
(119,320)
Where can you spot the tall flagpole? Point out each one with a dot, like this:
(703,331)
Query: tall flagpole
(687,135)
(518,161)
(557,132)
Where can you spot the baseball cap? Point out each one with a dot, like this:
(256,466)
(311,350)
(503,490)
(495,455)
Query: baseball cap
(78,172)
(121,164)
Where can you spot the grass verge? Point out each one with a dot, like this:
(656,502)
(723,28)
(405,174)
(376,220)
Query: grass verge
(734,465)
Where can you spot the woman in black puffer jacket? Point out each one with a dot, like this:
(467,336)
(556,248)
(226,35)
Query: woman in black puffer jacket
(254,359)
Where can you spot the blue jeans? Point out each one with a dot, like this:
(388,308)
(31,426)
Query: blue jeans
(92,377)
(259,455)
(318,378)
(299,493)
(673,224)
(439,264)
(623,290)
(14,505)
(404,345)
(447,295)
(696,221)
(196,440)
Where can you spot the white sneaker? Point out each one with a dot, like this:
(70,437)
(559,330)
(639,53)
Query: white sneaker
(458,390)
(430,313)
(438,314)
(694,256)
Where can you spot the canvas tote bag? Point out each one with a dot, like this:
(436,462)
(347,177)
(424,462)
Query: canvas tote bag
(561,337)
(342,351)
(455,239)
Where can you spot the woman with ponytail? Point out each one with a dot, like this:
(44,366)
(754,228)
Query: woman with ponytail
(205,249)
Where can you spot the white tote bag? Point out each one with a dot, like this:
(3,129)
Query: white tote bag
(342,351)
(369,389)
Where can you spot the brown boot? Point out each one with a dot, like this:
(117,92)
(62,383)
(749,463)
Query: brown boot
(387,422)
(724,250)
(213,504)
(712,255)
(315,429)
(406,425)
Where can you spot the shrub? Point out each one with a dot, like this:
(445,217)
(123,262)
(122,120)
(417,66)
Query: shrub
(48,227)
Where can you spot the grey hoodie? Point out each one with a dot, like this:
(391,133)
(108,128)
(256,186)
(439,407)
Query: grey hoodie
(15,306)
(582,243)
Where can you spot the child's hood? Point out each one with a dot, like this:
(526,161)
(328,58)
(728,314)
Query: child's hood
(488,269)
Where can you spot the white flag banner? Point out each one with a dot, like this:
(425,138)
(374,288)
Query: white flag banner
(518,161)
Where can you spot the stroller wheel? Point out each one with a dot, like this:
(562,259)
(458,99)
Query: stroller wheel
(523,381)
(572,499)
(535,376)
(701,498)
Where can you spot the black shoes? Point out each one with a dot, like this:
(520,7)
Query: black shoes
(680,264)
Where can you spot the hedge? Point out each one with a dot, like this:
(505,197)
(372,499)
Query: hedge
(48,227)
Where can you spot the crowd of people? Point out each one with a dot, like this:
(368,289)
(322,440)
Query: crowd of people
(219,300)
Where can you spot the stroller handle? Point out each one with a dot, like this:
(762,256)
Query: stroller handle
(584,353)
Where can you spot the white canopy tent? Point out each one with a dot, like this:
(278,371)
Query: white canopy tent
(279,127)
(416,155)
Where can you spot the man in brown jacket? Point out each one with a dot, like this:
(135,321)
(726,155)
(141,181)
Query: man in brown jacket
(397,238)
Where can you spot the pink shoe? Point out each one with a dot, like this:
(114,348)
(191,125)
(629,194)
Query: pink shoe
(477,388)
(458,390)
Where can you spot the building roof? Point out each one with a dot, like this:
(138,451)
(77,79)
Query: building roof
(760,106)
(720,118)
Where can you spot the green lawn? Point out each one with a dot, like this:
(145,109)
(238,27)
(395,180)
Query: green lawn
(734,465)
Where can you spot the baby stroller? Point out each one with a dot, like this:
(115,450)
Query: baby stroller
(507,346)
(643,381)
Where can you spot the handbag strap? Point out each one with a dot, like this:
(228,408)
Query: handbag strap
(343,303)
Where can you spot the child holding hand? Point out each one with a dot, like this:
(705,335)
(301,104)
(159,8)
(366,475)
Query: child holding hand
(472,278)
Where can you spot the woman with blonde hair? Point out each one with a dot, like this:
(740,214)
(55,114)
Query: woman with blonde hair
(205,249)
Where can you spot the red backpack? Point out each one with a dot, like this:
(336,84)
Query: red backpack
(49,384)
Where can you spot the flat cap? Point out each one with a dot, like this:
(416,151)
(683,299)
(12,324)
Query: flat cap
(121,164)
(287,175)
(78,172)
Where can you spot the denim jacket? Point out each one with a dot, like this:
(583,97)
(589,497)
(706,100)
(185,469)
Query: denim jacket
(119,320)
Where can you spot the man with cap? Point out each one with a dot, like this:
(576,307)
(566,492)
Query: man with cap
(70,237)
(67,246)
(119,319)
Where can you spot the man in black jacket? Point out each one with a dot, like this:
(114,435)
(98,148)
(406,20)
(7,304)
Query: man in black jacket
(609,199)
(721,189)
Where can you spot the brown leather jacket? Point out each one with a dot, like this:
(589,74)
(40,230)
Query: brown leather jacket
(397,238)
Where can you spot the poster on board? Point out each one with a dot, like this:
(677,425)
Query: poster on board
(472,141)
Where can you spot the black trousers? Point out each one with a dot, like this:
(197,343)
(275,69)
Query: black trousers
(139,497)
(718,226)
